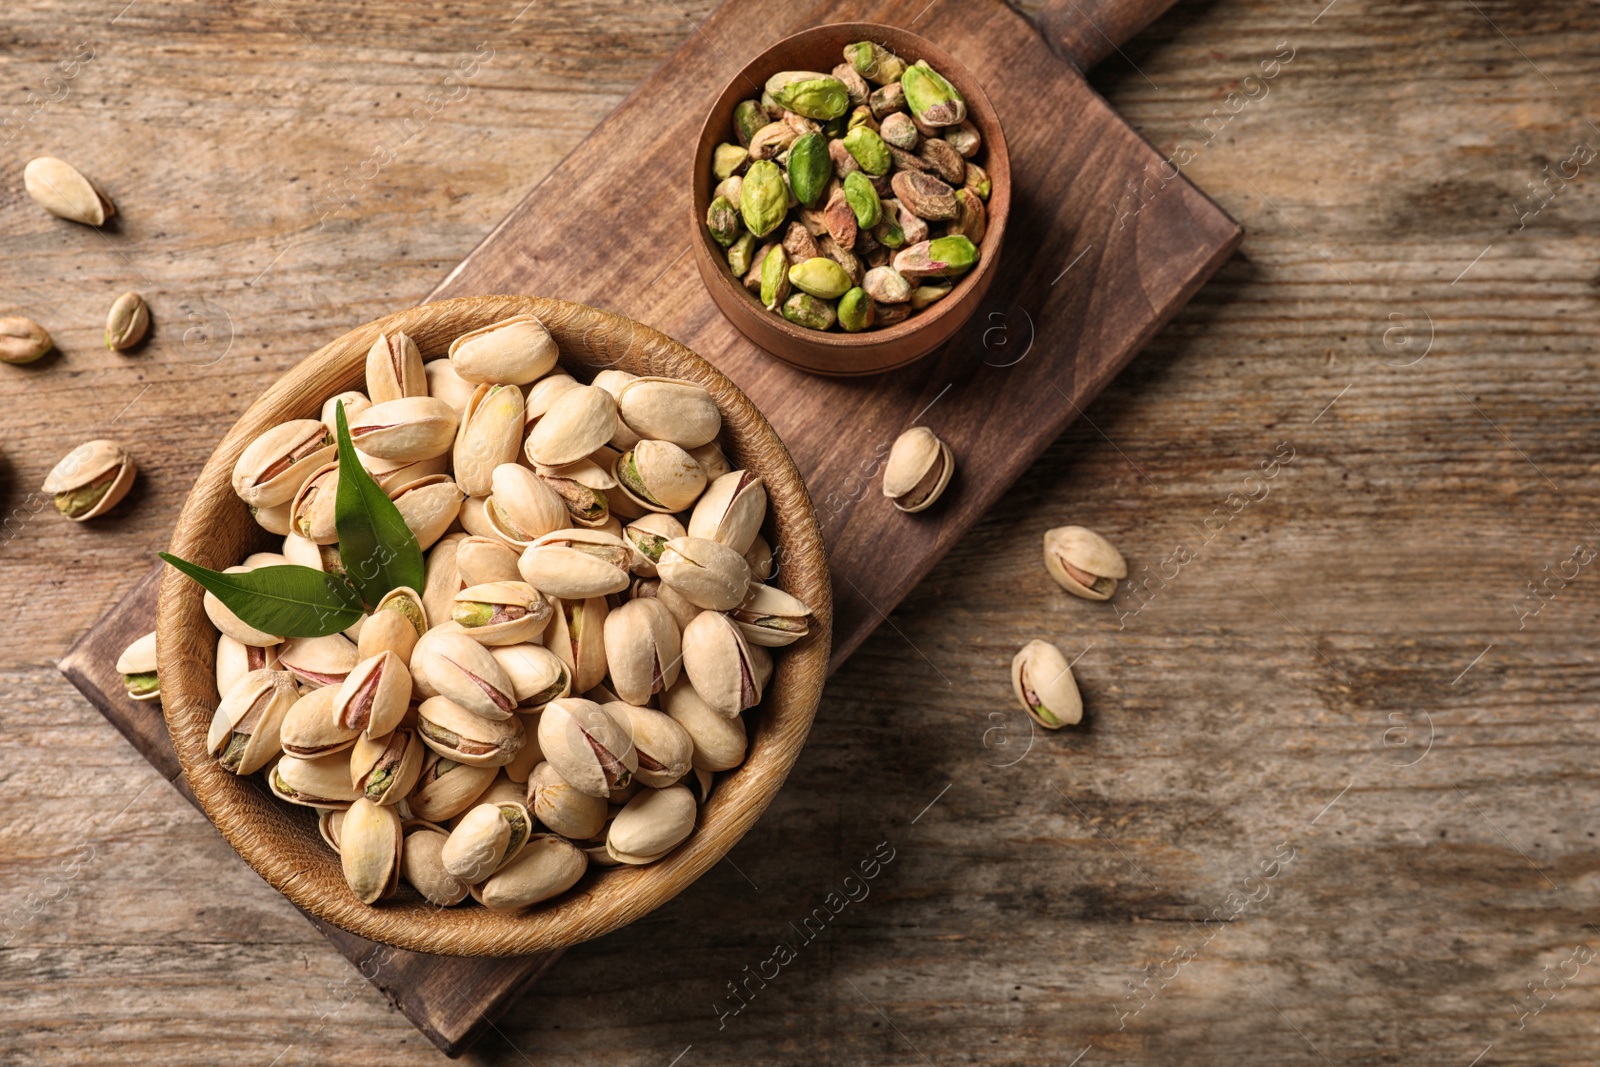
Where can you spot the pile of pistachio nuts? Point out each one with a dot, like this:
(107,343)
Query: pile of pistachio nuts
(854,198)
(594,624)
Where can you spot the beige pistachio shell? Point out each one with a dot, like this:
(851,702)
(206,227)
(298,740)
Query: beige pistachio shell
(395,624)
(716,659)
(454,732)
(547,867)
(760,559)
(423,869)
(140,658)
(311,512)
(445,787)
(712,461)
(245,730)
(557,805)
(588,747)
(513,351)
(474,518)
(502,613)
(683,610)
(505,791)
(394,369)
(575,564)
(408,429)
(719,740)
(354,402)
(59,188)
(918,469)
(314,783)
(385,769)
(667,409)
(772,618)
(545,391)
(651,825)
(443,579)
(529,756)
(480,560)
(698,782)
(578,422)
(487,838)
(642,649)
(537,675)
(370,841)
(522,506)
(659,476)
(223,618)
(311,730)
(731,510)
(235,659)
(374,696)
(613,380)
(460,668)
(1083,563)
(329,822)
(648,535)
(664,749)
(428,505)
(318,661)
(91,479)
(390,474)
(761,663)
(274,520)
(706,572)
(447,385)
(593,470)
(576,636)
(490,433)
(1043,682)
(273,467)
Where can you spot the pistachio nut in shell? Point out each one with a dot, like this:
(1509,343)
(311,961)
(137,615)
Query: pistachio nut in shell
(918,469)
(396,622)
(642,649)
(718,663)
(1083,563)
(424,871)
(489,434)
(411,428)
(523,506)
(386,768)
(568,811)
(487,838)
(312,511)
(942,257)
(759,556)
(578,422)
(932,99)
(390,474)
(461,669)
(651,825)
(587,746)
(537,675)
(546,391)
(235,659)
(576,564)
(460,735)
(664,748)
(91,479)
(274,520)
(447,385)
(314,783)
(273,467)
(809,93)
(547,867)
(244,732)
(319,661)
(329,822)
(660,476)
(60,189)
(394,369)
(223,618)
(719,740)
(374,696)
(22,340)
(648,535)
(514,351)
(311,730)
(429,506)
(527,757)
(770,617)
(126,322)
(575,635)
(370,840)
(709,573)
(445,788)
(137,665)
(731,510)
(486,559)
(501,613)
(1043,682)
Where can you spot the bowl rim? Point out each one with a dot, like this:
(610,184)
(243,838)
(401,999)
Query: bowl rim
(995,146)
(283,846)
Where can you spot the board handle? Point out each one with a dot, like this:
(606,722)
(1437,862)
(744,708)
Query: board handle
(1083,32)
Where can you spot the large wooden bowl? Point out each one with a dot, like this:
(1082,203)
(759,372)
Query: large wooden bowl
(834,352)
(281,841)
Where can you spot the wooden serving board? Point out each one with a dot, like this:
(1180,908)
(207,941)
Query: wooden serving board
(1100,252)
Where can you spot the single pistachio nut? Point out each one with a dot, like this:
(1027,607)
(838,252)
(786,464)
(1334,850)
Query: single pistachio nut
(579,421)
(660,476)
(642,649)
(319,661)
(60,189)
(127,322)
(863,200)
(973,222)
(312,730)
(890,231)
(489,434)
(429,506)
(245,731)
(809,311)
(385,769)
(741,254)
(514,351)
(651,825)
(523,507)
(854,84)
(547,867)
(806,92)
(480,560)
(731,510)
(869,150)
(752,277)
(670,409)
(748,117)
(394,370)
(459,668)
(925,195)
(844,164)
(665,750)
(329,822)
(648,535)
(931,98)
(502,613)
(446,788)
(447,385)
(719,740)
(856,311)
(809,168)
(312,510)
(898,130)
(576,636)
(314,783)
(723,222)
(874,62)
(235,659)
(770,617)
(223,618)
(887,286)
(1043,682)
(396,622)
(712,460)
(424,871)
(764,197)
(22,340)
(942,257)
(411,428)
(918,469)
(943,160)
(568,811)
(587,746)
(354,401)
(964,138)
(728,160)
(709,573)
(91,479)
(370,843)
(466,737)
(887,100)
(137,665)
(821,277)
(977,179)
(717,661)
(759,556)
(775,278)
(770,142)
(729,189)
(575,564)
(1083,563)
(487,838)
(537,675)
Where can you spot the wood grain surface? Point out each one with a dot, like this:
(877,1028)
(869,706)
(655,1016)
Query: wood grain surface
(1347,669)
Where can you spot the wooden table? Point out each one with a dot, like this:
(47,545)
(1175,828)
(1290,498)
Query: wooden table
(1333,798)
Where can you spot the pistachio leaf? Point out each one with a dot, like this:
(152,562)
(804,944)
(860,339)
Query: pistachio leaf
(289,601)
(378,549)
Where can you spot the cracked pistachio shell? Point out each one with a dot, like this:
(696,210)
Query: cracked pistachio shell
(1083,563)
(354,404)
(537,675)
(501,613)
(480,560)
(810,93)
(708,573)
(514,351)
(577,423)
(642,649)
(223,618)
(244,732)
(718,739)
(408,429)
(651,825)
(445,788)
(370,841)
(329,823)
(461,669)
(447,385)
(764,197)
(574,564)
(319,661)
(660,476)
(311,730)
(394,369)
(235,659)
(385,769)
(424,871)
(669,409)
(664,749)
(932,99)
(587,746)
(505,791)
(428,506)
(374,696)
(60,189)
(718,664)
(576,636)
(395,624)
(311,513)
(1043,682)
(523,506)
(465,737)
(568,811)
(731,510)
(613,380)
(137,665)
(314,783)
(391,474)
(771,618)
(712,461)
(547,867)
(648,535)
(274,520)
(91,479)
(489,434)
(487,838)
(918,469)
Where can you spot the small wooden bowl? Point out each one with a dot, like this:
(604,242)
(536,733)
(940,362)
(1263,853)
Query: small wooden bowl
(834,352)
(281,842)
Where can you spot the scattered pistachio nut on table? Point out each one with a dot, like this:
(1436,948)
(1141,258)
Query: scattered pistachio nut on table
(127,322)
(871,168)
(568,623)
(1043,682)
(918,469)
(91,479)
(1083,563)
(59,188)
(22,340)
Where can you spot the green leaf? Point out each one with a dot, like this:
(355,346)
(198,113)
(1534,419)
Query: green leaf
(379,550)
(289,601)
